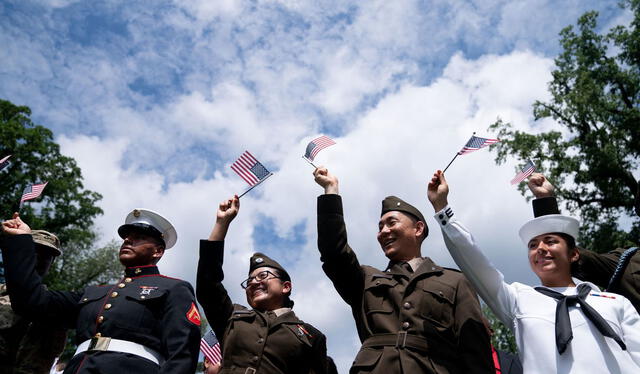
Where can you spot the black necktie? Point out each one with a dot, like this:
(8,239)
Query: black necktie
(563,322)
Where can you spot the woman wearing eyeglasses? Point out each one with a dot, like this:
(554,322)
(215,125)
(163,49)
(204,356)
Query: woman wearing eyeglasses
(269,337)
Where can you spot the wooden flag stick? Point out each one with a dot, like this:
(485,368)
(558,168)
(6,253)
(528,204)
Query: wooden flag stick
(309,161)
(255,185)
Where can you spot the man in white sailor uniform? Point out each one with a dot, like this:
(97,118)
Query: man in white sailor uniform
(145,323)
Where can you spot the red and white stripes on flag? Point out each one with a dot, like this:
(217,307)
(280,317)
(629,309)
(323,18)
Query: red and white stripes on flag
(526,170)
(4,163)
(475,143)
(250,169)
(32,191)
(210,347)
(316,145)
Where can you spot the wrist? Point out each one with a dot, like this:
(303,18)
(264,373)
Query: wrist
(439,205)
(331,189)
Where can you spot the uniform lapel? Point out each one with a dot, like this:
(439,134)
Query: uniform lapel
(426,269)
(286,318)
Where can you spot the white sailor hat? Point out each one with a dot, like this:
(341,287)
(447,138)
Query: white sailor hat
(150,223)
(549,224)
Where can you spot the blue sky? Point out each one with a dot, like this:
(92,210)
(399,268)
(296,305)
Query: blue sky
(156,99)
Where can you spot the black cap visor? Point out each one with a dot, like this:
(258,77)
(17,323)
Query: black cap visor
(141,228)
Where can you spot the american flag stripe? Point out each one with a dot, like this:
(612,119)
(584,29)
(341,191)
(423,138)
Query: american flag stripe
(242,166)
(250,169)
(32,191)
(4,162)
(316,145)
(475,143)
(527,170)
(210,347)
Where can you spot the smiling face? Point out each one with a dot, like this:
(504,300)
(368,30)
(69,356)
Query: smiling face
(269,293)
(139,249)
(550,258)
(400,236)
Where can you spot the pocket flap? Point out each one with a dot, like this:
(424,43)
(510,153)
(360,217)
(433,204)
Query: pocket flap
(93,293)
(367,358)
(440,291)
(380,280)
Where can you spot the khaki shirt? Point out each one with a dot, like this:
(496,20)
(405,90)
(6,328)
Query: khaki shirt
(252,341)
(428,321)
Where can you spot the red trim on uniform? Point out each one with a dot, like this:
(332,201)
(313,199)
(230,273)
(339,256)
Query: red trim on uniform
(154,275)
(141,266)
(95,330)
(496,361)
(81,362)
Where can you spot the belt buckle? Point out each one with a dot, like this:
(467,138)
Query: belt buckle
(99,343)
(250,371)
(401,341)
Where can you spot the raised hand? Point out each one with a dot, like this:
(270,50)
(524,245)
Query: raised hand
(438,190)
(540,186)
(15,226)
(326,180)
(227,211)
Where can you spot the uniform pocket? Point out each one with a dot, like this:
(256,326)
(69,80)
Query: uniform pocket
(366,359)
(377,289)
(437,302)
(145,311)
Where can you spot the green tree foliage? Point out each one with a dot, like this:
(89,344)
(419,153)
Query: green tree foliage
(595,97)
(81,266)
(502,338)
(66,208)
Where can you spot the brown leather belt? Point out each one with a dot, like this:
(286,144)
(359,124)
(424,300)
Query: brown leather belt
(400,340)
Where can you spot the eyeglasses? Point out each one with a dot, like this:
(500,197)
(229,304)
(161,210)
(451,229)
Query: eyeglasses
(263,275)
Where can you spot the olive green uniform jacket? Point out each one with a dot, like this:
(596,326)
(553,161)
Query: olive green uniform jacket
(599,267)
(26,347)
(428,321)
(255,342)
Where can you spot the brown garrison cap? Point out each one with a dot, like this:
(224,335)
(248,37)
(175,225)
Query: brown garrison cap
(393,203)
(47,239)
(259,260)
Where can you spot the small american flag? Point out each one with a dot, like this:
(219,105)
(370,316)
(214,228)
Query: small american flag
(475,143)
(32,191)
(250,169)
(526,171)
(210,347)
(4,163)
(316,145)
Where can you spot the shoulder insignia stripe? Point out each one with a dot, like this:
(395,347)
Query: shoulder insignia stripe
(193,315)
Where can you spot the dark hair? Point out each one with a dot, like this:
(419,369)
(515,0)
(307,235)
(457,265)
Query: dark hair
(415,220)
(571,245)
(288,303)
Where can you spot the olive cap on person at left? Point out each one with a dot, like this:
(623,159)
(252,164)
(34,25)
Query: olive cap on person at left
(47,239)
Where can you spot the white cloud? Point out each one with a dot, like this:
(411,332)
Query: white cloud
(392,149)
(155,112)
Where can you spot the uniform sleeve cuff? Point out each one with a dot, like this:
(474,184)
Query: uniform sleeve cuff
(443,216)
(544,206)
(329,204)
